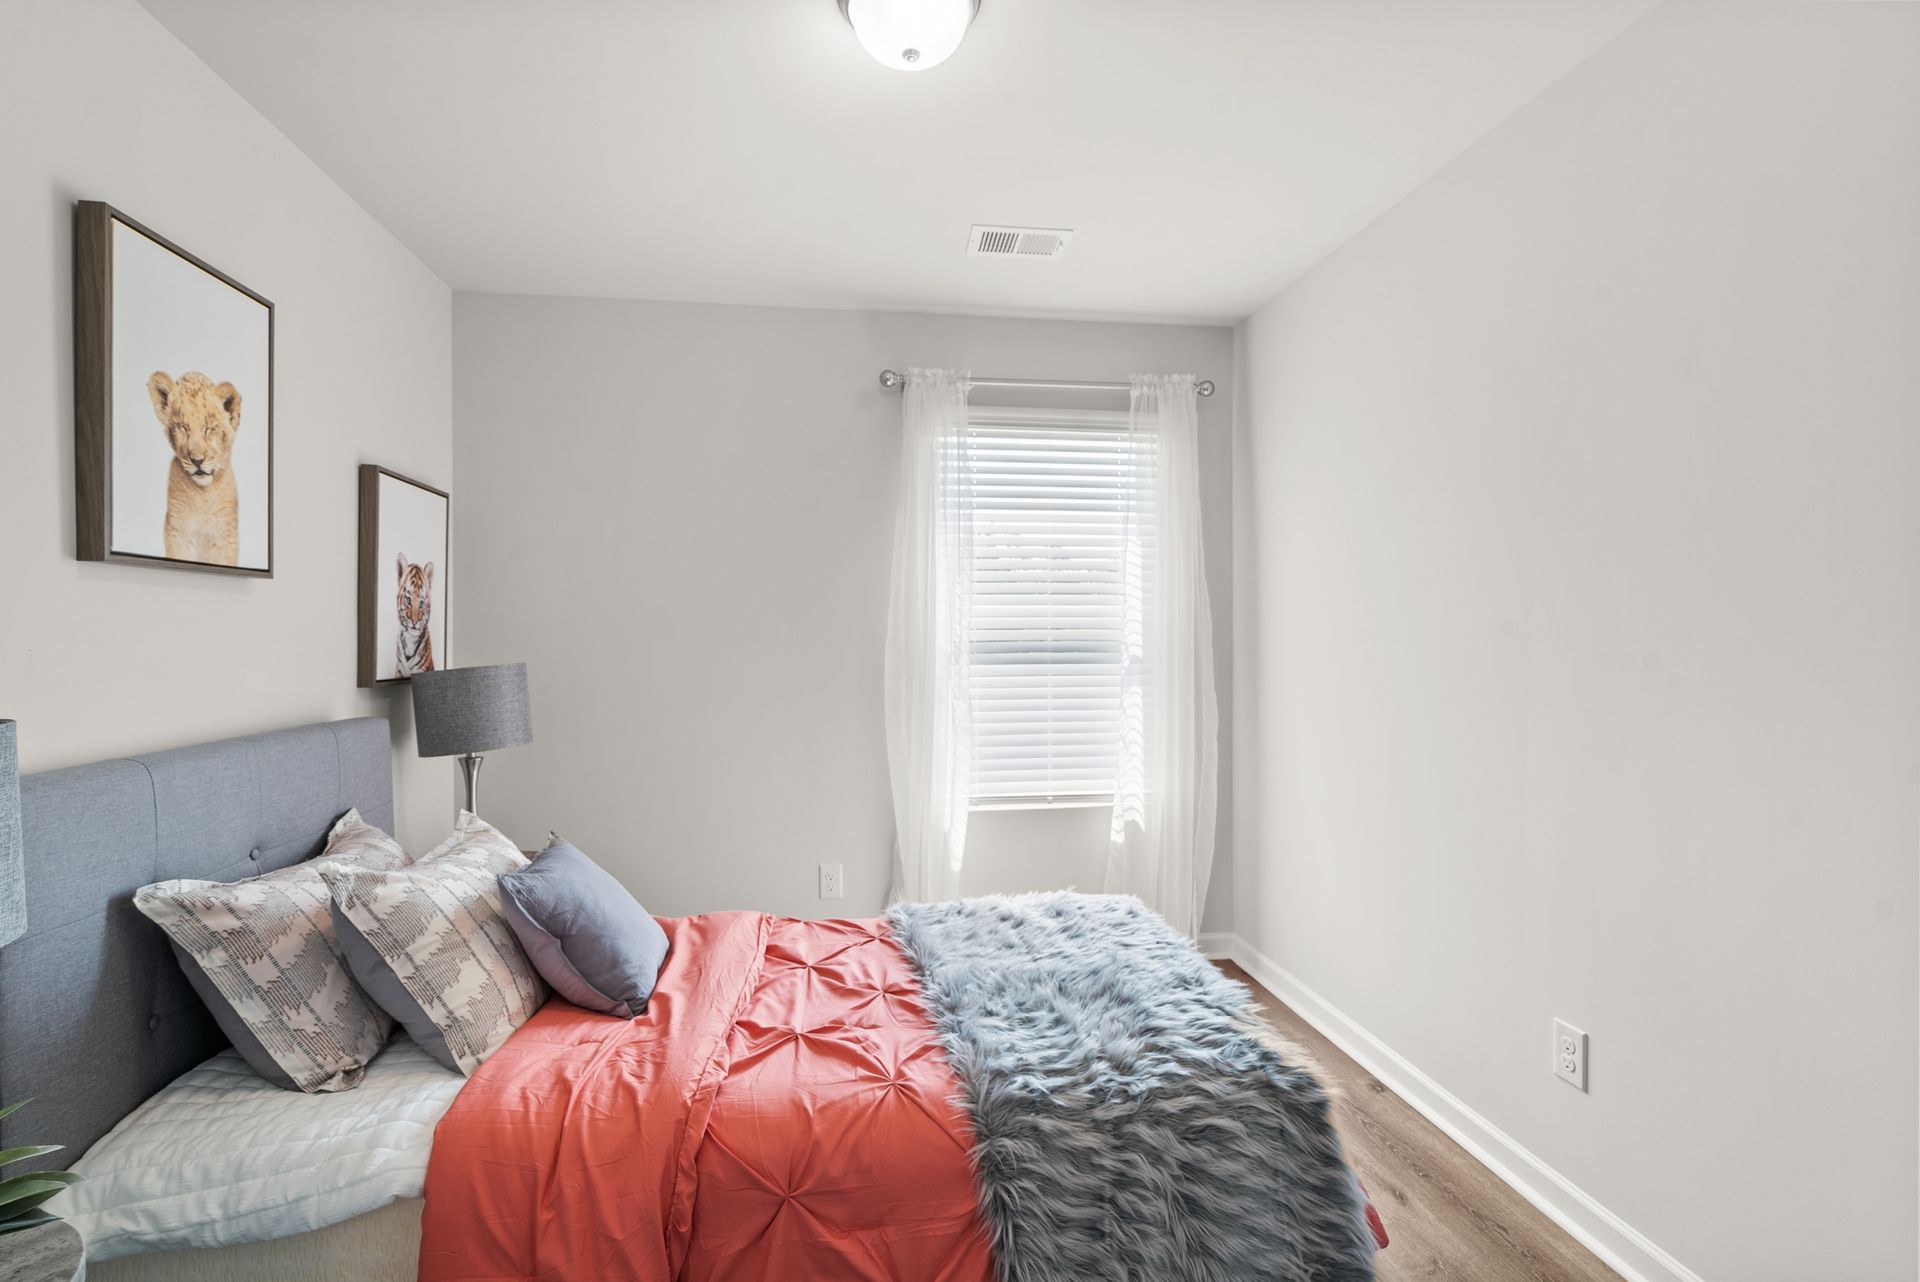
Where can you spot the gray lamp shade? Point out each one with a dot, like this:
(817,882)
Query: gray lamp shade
(458,710)
(13,872)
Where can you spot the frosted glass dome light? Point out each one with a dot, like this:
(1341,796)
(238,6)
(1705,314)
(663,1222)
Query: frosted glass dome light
(910,35)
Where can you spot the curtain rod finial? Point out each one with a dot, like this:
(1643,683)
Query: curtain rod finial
(890,379)
(1204,387)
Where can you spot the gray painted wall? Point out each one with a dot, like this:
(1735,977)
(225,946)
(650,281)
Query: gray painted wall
(102,103)
(686,517)
(1580,654)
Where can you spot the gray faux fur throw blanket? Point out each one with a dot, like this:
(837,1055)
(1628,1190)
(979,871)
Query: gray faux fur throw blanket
(1132,1120)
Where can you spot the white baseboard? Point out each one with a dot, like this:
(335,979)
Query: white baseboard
(1625,1249)
(1217,945)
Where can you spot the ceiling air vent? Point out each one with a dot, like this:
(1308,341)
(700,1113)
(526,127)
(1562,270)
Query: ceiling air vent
(1018,242)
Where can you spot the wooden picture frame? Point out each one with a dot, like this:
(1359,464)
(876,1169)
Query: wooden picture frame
(187,479)
(403,550)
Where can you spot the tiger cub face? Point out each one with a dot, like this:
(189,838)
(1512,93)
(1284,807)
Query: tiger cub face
(414,602)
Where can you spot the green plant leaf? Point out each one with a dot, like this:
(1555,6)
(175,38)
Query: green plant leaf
(26,1220)
(28,1201)
(31,1192)
(11,1186)
(22,1194)
(30,1150)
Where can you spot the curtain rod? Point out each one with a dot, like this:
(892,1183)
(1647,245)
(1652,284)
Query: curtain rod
(890,379)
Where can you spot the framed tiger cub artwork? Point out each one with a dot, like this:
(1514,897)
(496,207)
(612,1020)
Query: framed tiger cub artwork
(403,576)
(173,404)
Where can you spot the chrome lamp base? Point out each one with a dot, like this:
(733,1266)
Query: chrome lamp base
(470,769)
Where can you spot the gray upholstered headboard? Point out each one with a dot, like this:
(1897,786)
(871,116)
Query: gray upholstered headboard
(95,1015)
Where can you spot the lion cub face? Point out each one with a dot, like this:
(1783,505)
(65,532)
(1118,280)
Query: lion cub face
(201,417)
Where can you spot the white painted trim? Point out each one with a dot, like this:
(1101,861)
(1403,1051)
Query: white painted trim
(1218,945)
(1624,1249)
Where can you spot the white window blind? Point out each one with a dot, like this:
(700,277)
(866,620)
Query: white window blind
(1054,496)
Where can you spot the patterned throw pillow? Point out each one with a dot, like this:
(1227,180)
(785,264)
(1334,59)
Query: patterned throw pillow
(262,954)
(428,943)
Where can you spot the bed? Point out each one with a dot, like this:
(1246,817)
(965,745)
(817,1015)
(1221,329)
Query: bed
(96,1018)
(1034,1089)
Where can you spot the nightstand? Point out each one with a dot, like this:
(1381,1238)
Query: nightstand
(45,1253)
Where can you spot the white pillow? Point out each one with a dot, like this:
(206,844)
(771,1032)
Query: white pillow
(220,1158)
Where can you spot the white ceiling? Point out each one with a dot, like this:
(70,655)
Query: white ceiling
(1205,152)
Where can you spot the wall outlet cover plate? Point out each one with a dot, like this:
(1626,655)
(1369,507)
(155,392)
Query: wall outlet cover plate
(1570,1054)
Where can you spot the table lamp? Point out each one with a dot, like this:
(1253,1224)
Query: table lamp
(468,711)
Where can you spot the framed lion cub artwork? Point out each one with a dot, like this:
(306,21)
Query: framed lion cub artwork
(173,404)
(403,576)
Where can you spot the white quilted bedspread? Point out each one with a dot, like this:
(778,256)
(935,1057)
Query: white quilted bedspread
(222,1157)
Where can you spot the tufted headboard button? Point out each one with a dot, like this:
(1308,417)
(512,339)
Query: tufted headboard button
(254,854)
(153,1022)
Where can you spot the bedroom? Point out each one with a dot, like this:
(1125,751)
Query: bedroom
(1548,554)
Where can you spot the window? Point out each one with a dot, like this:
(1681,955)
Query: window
(1055,497)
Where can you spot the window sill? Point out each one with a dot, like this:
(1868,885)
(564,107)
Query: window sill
(1043,803)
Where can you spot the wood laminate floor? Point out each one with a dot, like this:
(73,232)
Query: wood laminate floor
(1447,1215)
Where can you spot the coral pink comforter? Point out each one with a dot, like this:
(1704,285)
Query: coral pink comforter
(781,1112)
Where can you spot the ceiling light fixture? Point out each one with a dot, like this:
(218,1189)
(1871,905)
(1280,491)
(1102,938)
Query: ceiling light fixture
(910,35)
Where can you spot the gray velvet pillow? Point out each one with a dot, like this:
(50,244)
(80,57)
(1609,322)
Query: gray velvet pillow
(586,934)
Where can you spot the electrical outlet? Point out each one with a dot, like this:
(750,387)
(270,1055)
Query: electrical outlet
(830,881)
(1569,1054)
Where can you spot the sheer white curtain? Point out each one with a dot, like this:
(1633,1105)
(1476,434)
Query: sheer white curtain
(1165,795)
(928,701)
